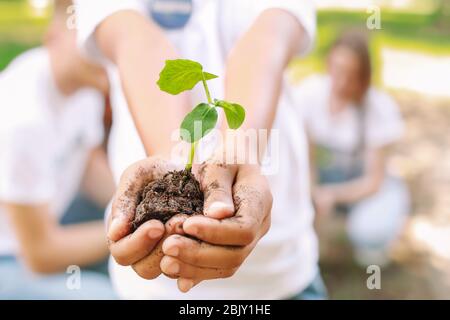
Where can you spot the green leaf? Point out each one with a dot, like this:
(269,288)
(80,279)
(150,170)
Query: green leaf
(209,76)
(198,122)
(181,75)
(234,113)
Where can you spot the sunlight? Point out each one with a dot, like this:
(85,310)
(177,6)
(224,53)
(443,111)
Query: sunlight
(39,7)
(398,73)
(434,238)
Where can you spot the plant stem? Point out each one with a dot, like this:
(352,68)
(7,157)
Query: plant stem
(205,85)
(191,156)
(194,144)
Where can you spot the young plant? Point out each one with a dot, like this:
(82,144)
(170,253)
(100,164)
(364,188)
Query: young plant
(179,192)
(182,75)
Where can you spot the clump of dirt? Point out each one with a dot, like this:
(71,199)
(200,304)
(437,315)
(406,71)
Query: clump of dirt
(177,192)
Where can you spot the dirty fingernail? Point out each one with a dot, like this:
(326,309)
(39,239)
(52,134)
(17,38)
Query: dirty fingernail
(172,251)
(179,228)
(192,230)
(219,206)
(115,227)
(155,233)
(173,268)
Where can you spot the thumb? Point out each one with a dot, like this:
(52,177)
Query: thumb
(132,182)
(217,182)
(118,228)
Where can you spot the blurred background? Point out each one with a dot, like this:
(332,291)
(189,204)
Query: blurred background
(411,60)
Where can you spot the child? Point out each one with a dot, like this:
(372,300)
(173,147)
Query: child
(50,129)
(351,125)
(249,43)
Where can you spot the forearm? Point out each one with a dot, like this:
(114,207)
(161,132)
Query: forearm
(254,77)
(80,244)
(140,53)
(256,66)
(366,185)
(47,247)
(354,190)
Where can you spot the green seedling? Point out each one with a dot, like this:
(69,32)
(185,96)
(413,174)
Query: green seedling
(183,75)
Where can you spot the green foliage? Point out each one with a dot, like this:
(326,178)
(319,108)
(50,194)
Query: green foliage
(197,123)
(234,113)
(182,75)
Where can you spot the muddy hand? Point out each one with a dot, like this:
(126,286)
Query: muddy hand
(226,239)
(142,248)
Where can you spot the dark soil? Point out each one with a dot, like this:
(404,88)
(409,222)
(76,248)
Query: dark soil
(177,192)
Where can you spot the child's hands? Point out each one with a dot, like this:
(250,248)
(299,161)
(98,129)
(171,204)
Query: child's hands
(141,249)
(226,243)
(226,238)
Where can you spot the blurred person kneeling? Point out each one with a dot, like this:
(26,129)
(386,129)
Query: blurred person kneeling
(350,126)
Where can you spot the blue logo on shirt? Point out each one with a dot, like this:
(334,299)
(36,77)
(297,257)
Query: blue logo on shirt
(171,14)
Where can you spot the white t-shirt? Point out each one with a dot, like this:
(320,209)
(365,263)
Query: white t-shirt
(381,121)
(45,138)
(285,260)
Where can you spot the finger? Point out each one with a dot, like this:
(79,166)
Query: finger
(253,207)
(253,201)
(175,225)
(149,266)
(203,254)
(174,267)
(239,231)
(217,181)
(137,245)
(184,285)
(128,194)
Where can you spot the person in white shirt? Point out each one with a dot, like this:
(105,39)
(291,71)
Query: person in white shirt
(249,44)
(51,129)
(350,125)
